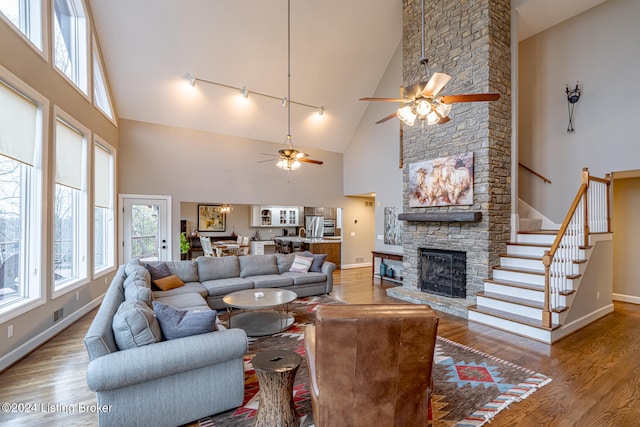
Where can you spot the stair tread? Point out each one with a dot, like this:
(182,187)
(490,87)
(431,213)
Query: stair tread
(529,286)
(515,300)
(520,270)
(541,231)
(513,317)
(535,245)
(527,257)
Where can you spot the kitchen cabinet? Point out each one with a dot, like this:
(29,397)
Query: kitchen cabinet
(327,213)
(275,216)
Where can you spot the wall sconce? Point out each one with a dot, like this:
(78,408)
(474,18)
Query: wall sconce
(573,96)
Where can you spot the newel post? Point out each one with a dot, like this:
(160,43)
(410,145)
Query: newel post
(585,180)
(546,311)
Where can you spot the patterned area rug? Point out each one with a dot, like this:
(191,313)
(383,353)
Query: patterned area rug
(470,387)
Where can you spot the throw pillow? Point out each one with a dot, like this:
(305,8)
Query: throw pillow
(134,325)
(301,264)
(318,260)
(169,282)
(159,271)
(177,323)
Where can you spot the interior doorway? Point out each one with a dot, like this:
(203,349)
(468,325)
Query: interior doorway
(144,228)
(626,236)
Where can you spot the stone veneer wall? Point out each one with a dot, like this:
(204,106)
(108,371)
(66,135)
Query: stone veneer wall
(469,40)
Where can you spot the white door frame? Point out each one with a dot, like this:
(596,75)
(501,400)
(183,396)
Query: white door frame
(165,225)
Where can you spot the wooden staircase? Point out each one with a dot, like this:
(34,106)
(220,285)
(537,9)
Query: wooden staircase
(531,291)
(513,299)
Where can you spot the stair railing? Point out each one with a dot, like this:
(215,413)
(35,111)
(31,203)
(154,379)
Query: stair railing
(528,169)
(589,213)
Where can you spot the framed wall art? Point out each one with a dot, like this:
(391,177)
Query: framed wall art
(211,218)
(444,181)
(392,226)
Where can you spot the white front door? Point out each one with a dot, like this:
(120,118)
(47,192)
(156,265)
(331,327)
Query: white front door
(145,226)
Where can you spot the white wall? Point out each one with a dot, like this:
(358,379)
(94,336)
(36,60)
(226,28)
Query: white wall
(600,49)
(372,158)
(193,166)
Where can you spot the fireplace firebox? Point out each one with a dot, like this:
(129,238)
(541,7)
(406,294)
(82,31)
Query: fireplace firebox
(443,272)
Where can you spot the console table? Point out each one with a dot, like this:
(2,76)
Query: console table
(384,255)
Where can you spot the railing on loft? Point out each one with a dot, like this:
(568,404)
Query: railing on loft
(589,213)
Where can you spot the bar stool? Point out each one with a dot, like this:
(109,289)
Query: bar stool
(297,247)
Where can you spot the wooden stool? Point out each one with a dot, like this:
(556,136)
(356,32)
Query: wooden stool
(276,371)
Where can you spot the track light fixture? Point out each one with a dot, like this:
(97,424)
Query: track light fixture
(284,101)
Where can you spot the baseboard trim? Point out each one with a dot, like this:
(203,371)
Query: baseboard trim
(580,323)
(626,298)
(361,265)
(23,350)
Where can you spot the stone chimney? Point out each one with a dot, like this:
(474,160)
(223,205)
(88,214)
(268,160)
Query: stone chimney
(470,41)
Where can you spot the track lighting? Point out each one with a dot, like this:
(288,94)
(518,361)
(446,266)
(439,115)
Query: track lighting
(284,101)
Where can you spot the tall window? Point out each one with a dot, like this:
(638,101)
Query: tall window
(20,215)
(70,213)
(70,41)
(104,238)
(101,97)
(26,15)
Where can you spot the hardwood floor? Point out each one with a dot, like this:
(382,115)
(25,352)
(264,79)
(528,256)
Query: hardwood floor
(595,372)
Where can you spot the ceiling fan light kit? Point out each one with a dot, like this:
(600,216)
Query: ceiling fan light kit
(421,101)
(290,158)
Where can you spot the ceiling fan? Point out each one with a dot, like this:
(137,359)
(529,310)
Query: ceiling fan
(421,100)
(289,157)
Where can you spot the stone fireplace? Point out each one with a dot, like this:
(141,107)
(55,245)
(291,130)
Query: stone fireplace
(443,272)
(471,42)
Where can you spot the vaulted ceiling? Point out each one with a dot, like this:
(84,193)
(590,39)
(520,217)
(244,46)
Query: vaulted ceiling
(339,52)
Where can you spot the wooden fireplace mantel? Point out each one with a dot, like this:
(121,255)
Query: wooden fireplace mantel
(473,216)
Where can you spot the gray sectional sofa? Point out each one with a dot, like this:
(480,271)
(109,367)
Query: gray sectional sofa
(141,379)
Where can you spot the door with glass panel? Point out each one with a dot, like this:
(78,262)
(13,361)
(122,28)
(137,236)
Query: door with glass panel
(145,229)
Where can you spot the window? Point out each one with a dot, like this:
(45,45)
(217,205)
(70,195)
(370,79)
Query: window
(101,97)
(21,125)
(70,213)
(104,230)
(70,41)
(26,15)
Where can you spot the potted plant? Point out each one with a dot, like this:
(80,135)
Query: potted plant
(185,247)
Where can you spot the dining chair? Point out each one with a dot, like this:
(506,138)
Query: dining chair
(205,242)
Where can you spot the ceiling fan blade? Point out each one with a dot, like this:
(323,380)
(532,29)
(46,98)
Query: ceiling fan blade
(315,162)
(386,99)
(443,120)
(389,117)
(414,90)
(265,161)
(268,154)
(476,97)
(435,84)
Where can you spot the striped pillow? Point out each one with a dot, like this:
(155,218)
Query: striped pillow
(301,264)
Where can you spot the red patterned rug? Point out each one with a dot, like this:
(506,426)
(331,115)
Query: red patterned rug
(470,387)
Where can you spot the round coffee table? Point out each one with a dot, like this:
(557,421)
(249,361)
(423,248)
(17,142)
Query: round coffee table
(269,310)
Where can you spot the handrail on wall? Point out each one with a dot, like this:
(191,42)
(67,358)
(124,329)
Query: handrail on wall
(590,210)
(544,178)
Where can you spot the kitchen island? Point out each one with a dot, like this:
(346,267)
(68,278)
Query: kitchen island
(331,246)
